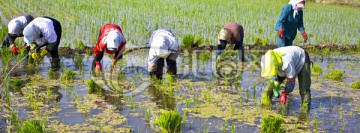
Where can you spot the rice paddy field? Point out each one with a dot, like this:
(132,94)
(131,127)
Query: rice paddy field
(205,95)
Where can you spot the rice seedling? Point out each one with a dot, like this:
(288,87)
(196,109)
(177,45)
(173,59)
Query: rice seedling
(31,126)
(16,82)
(93,87)
(351,114)
(232,109)
(88,52)
(78,62)
(131,101)
(190,41)
(196,102)
(259,41)
(247,95)
(69,75)
(225,125)
(233,128)
(79,44)
(191,122)
(205,56)
(254,92)
(147,115)
(317,70)
(169,121)
(48,92)
(331,101)
(187,103)
(67,44)
(13,120)
(271,124)
(337,75)
(355,85)
(184,117)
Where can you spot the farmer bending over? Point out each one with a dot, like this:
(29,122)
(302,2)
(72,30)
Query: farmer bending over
(163,46)
(287,63)
(232,33)
(15,30)
(110,40)
(44,31)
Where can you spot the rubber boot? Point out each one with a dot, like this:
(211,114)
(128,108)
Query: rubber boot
(241,54)
(283,97)
(305,101)
(55,63)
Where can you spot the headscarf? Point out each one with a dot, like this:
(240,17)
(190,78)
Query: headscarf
(270,64)
(294,3)
(31,33)
(14,27)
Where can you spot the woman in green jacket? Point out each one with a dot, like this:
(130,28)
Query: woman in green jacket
(290,20)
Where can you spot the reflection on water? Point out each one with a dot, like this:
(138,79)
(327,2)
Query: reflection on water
(193,69)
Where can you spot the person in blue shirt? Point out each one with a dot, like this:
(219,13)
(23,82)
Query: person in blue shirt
(290,20)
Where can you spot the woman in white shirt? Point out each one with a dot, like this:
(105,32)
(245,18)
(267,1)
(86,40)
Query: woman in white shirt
(15,30)
(163,46)
(44,31)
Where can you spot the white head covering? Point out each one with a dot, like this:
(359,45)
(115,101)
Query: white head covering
(31,33)
(294,3)
(113,40)
(14,27)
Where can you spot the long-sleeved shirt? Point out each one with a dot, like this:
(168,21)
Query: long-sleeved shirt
(40,30)
(17,25)
(162,43)
(292,61)
(101,45)
(289,23)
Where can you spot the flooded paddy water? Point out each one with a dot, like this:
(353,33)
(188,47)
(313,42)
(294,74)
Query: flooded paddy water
(130,101)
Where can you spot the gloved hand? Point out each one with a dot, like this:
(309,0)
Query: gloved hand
(98,66)
(36,56)
(14,49)
(39,56)
(281,33)
(276,89)
(305,36)
(283,97)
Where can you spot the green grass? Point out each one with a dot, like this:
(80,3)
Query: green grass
(31,126)
(271,124)
(169,121)
(337,75)
(355,85)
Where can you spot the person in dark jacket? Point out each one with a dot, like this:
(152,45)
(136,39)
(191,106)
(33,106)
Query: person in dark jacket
(290,20)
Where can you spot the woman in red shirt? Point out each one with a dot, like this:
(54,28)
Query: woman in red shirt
(112,41)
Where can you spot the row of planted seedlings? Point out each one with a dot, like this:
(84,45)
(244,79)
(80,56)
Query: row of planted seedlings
(179,19)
